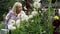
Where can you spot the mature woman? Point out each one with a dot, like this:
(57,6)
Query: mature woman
(14,13)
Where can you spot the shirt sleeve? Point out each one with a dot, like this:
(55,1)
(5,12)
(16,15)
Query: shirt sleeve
(8,15)
(6,19)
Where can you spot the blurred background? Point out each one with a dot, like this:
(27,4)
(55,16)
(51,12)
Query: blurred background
(6,6)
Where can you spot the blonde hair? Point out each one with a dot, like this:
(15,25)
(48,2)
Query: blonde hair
(14,6)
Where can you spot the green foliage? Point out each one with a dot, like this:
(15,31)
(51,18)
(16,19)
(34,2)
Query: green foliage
(39,24)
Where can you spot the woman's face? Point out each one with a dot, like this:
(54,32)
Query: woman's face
(18,8)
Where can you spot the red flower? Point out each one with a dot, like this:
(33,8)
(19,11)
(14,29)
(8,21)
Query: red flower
(55,33)
(28,5)
(56,23)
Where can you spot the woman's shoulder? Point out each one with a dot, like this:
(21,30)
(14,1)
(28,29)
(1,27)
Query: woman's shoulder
(11,12)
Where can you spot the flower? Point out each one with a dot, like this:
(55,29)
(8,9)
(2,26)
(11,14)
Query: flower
(22,0)
(37,0)
(34,13)
(18,23)
(25,8)
(28,4)
(59,11)
(44,32)
(36,4)
(56,18)
(12,22)
(30,16)
(24,17)
(32,20)
(11,27)
(39,11)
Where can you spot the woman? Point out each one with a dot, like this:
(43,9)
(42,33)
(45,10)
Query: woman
(14,13)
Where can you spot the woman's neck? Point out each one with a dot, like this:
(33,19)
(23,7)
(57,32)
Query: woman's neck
(17,13)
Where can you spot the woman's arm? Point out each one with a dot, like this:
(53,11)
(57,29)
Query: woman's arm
(7,19)
(8,15)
